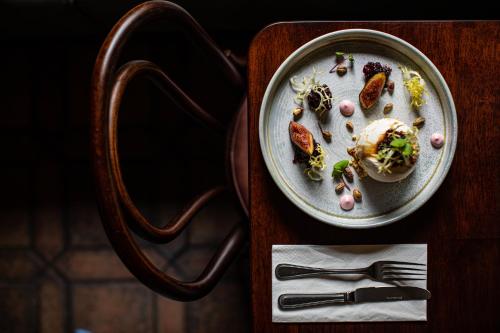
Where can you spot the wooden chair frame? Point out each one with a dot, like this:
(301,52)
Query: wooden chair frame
(119,214)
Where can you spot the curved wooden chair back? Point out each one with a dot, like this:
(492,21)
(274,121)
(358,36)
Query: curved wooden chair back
(119,214)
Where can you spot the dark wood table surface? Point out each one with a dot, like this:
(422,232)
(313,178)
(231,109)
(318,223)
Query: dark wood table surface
(460,223)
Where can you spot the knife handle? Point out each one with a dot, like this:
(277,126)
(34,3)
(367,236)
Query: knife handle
(299,301)
(288,271)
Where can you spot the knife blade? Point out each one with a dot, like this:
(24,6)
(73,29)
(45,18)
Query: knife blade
(360,295)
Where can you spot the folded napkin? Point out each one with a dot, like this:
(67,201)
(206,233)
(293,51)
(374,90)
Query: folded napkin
(348,256)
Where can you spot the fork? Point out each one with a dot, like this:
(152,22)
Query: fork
(379,271)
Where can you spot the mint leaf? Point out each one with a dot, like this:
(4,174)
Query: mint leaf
(407,150)
(399,142)
(338,168)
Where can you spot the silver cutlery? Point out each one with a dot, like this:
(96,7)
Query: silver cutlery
(360,295)
(385,270)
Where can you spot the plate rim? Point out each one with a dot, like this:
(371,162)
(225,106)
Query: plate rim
(443,85)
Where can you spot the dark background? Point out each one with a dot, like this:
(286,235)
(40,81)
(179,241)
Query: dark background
(32,18)
(57,269)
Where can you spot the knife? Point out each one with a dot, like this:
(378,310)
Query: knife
(360,295)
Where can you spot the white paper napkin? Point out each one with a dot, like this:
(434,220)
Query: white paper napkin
(345,256)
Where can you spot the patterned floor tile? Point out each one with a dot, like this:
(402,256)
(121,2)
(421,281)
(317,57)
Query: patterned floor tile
(171,317)
(111,308)
(222,301)
(84,222)
(18,265)
(14,228)
(213,223)
(85,225)
(18,308)
(48,209)
(193,261)
(81,264)
(52,297)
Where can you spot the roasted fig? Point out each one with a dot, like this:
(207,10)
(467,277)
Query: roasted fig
(372,91)
(301,137)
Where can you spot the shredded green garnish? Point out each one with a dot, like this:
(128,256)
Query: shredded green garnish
(303,88)
(398,152)
(313,175)
(308,84)
(415,85)
(317,164)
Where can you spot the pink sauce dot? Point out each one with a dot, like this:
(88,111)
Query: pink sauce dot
(437,140)
(346,107)
(347,202)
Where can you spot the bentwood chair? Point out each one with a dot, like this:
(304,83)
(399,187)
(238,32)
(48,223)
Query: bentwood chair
(120,216)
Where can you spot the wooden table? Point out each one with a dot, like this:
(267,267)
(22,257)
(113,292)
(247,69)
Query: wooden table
(460,223)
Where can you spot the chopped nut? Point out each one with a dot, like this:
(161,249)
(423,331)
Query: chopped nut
(327,135)
(341,70)
(340,187)
(297,112)
(351,151)
(354,137)
(349,126)
(357,195)
(348,174)
(419,122)
(359,169)
(388,108)
(390,86)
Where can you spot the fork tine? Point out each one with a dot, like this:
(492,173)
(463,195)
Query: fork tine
(401,273)
(384,268)
(400,262)
(402,279)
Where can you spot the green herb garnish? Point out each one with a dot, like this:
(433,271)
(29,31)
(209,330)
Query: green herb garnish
(399,142)
(407,150)
(403,146)
(397,151)
(339,60)
(339,167)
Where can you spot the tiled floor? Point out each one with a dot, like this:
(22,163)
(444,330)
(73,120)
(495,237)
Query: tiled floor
(58,272)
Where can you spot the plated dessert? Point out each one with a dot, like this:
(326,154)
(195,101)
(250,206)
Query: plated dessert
(355,125)
(387,150)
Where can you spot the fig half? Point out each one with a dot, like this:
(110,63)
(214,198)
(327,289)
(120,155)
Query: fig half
(372,91)
(301,137)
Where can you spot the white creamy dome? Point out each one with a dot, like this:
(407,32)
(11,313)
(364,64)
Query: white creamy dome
(366,148)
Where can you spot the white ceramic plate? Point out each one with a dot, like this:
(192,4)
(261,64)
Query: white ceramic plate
(383,203)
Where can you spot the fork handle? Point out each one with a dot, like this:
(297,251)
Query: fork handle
(299,301)
(288,271)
